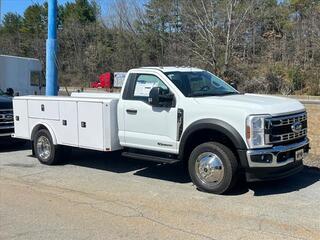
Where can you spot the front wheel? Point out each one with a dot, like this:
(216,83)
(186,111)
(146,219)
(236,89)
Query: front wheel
(213,167)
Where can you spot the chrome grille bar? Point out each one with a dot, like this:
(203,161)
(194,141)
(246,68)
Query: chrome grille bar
(6,119)
(278,128)
(290,136)
(286,120)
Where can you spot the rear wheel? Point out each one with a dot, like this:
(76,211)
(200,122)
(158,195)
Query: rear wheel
(213,167)
(44,149)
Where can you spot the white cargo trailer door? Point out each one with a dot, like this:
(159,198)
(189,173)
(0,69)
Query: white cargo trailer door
(90,125)
(68,126)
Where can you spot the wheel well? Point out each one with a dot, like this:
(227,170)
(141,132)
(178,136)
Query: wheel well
(36,129)
(207,135)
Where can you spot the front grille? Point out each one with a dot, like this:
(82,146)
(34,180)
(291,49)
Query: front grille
(286,129)
(6,122)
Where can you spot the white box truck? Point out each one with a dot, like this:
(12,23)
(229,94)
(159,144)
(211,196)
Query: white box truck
(173,114)
(23,75)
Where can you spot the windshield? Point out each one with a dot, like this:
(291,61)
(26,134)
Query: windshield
(2,93)
(198,84)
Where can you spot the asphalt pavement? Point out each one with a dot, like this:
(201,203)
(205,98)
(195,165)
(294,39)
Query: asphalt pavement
(96,195)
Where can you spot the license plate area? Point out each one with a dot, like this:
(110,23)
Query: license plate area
(299,155)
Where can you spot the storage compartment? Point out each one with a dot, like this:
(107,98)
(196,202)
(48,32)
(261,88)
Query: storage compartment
(68,124)
(44,109)
(75,121)
(21,126)
(90,125)
(111,139)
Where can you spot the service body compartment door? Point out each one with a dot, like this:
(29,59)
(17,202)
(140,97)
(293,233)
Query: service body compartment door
(90,122)
(21,126)
(111,139)
(68,126)
(44,109)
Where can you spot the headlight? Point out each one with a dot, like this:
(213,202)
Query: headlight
(255,131)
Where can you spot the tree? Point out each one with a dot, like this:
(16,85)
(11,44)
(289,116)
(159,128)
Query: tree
(264,45)
(12,23)
(35,20)
(82,11)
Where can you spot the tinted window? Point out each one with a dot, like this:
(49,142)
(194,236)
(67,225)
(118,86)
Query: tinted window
(201,83)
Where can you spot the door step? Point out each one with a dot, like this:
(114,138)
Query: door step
(149,157)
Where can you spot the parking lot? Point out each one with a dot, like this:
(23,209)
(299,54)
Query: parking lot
(102,196)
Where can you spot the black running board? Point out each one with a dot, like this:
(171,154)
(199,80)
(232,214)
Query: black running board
(149,157)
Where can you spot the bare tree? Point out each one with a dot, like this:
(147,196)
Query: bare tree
(237,13)
(199,26)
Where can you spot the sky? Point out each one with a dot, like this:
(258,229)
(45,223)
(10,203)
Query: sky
(18,6)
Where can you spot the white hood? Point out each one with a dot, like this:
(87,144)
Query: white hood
(254,103)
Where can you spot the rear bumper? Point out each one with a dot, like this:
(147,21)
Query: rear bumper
(276,162)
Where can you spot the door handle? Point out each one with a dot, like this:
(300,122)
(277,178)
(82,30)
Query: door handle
(132,111)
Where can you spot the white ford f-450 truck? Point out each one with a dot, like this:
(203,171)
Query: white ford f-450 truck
(170,114)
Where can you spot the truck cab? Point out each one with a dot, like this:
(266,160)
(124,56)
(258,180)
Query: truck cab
(171,114)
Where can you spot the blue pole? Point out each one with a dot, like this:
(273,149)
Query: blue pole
(51,53)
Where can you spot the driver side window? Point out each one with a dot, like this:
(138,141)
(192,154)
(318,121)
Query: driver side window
(143,85)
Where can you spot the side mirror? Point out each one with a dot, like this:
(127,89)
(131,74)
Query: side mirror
(154,96)
(234,85)
(158,98)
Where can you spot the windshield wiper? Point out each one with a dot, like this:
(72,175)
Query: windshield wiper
(212,94)
(201,95)
(227,93)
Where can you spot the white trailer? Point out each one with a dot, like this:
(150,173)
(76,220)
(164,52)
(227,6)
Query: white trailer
(21,74)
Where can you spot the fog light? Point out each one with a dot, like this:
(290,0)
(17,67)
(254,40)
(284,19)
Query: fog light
(263,158)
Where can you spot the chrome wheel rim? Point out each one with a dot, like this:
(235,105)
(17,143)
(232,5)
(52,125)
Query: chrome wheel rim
(209,168)
(43,147)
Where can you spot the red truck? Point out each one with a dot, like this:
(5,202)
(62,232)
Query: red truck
(104,81)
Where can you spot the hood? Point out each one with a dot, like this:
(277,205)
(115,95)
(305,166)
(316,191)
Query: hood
(5,102)
(254,103)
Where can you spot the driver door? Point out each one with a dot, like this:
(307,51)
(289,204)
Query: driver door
(145,126)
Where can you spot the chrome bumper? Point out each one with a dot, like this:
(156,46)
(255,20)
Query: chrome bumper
(274,152)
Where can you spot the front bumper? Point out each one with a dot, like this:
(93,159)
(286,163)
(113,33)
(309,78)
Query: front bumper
(265,174)
(276,162)
(5,129)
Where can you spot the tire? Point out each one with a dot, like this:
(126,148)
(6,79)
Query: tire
(213,167)
(44,149)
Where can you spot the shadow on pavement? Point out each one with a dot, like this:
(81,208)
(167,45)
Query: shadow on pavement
(13,145)
(307,177)
(114,162)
